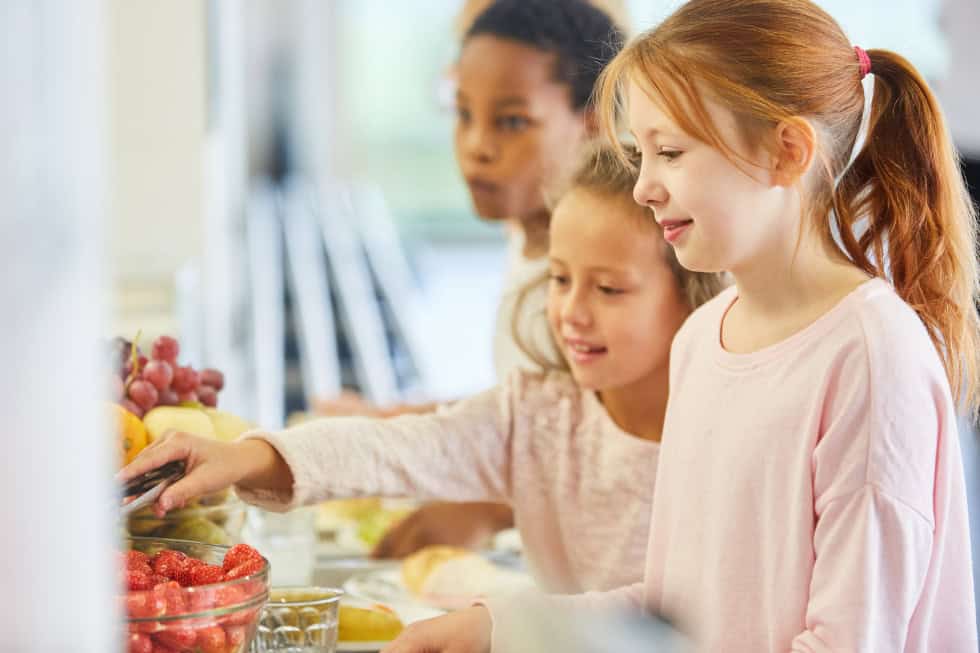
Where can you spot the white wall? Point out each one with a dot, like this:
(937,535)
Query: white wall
(959,90)
(57,568)
(156,60)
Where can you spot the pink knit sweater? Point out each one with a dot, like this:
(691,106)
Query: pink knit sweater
(581,488)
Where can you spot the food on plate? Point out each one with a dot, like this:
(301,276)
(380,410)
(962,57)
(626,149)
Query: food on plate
(377,623)
(369,518)
(417,567)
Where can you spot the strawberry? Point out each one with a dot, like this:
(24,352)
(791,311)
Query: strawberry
(238,554)
(177,638)
(200,599)
(136,560)
(169,563)
(160,647)
(138,643)
(173,596)
(185,575)
(156,579)
(228,596)
(234,637)
(144,605)
(246,568)
(206,575)
(211,640)
(137,580)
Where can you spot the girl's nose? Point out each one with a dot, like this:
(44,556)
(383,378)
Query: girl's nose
(575,310)
(649,189)
(480,145)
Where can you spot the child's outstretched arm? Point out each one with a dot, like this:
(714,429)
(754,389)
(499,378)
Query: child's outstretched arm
(459,454)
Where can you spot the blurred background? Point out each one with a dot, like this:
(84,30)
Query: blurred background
(226,114)
(273,182)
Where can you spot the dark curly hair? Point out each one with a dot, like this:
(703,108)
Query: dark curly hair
(583,37)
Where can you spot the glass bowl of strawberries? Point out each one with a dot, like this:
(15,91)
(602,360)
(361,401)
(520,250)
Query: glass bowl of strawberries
(188,597)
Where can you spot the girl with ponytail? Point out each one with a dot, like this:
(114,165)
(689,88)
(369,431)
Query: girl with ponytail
(810,493)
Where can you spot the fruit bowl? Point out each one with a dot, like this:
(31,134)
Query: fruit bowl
(175,606)
(212,519)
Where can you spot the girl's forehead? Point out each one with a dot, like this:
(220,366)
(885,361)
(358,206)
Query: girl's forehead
(646,111)
(589,221)
(490,63)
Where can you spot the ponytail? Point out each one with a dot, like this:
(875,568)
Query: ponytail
(921,225)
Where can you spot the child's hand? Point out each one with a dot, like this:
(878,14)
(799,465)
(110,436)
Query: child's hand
(210,466)
(465,631)
(348,404)
(469,525)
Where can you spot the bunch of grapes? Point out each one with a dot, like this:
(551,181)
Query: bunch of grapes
(142,383)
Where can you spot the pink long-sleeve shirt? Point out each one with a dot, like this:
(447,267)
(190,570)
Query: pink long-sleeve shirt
(810,496)
(581,487)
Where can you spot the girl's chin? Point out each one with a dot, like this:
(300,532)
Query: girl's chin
(588,381)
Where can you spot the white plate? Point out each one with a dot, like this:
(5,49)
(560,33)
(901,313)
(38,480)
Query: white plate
(408,613)
(469,577)
(381,585)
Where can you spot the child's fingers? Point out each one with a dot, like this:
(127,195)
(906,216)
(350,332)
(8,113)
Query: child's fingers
(177,495)
(388,545)
(157,453)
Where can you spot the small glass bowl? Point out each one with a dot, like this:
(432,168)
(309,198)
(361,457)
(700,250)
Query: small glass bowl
(299,619)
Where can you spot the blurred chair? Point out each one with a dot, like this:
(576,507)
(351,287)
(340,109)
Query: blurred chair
(309,284)
(264,250)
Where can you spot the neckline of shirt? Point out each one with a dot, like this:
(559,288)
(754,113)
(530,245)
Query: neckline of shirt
(817,328)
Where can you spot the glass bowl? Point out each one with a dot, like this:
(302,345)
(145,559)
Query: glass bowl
(217,618)
(299,619)
(213,519)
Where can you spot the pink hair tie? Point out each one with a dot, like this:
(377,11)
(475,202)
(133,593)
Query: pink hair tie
(863,59)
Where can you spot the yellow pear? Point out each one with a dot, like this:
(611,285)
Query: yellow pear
(227,426)
(175,418)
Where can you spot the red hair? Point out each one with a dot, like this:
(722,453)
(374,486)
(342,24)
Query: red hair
(901,207)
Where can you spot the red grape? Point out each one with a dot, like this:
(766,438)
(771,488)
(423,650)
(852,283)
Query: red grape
(143,393)
(159,373)
(213,378)
(166,348)
(185,379)
(207,395)
(187,396)
(142,360)
(168,397)
(131,406)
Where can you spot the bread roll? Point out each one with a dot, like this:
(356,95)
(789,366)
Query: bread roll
(417,567)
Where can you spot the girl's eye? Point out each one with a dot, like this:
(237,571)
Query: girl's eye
(462,114)
(670,155)
(609,290)
(559,279)
(513,123)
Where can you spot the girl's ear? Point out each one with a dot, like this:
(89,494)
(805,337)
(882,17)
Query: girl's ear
(796,146)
